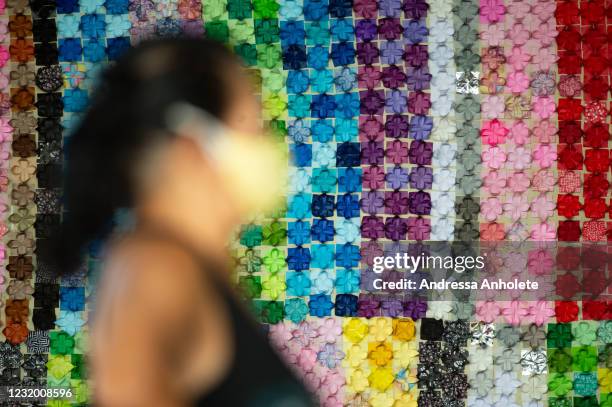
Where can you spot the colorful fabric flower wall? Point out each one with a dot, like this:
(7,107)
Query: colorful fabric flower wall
(407,121)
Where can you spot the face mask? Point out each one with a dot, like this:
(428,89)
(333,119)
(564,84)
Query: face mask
(253,168)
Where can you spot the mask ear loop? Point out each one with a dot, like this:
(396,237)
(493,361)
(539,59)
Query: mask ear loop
(187,120)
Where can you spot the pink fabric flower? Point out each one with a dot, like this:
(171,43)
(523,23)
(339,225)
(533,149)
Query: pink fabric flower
(540,262)
(493,34)
(541,312)
(519,182)
(544,106)
(516,206)
(542,207)
(545,131)
(490,209)
(517,82)
(545,155)
(6,130)
(543,232)
(514,312)
(519,133)
(545,58)
(494,182)
(544,180)
(518,9)
(518,59)
(491,11)
(494,157)
(518,34)
(519,158)
(494,132)
(493,106)
(329,330)
(487,311)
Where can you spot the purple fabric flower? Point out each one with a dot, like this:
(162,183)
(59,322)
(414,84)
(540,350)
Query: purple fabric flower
(415,309)
(396,126)
(420,152)
(396,101)
(419,228)
(390,28)
(419,103)
(415,9)
(367,53)
(396,203)
(372,227)
(392,308)
(415,31)
(421,177)
(365,30)
(372,202)
(396,228)
(391,52)
(419,203)
(372,101)
(416,55)
(397,178)
(369,250)
(418,78)
(393,77)
(372,153)
(390,8)
(420,127)
(370,128)
(367,306)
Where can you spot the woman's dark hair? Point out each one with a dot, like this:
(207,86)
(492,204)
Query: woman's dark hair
(125,116)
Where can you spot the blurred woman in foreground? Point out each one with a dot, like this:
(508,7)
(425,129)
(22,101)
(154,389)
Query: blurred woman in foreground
(173,134)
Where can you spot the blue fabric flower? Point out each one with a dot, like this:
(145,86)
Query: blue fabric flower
(70,49)
(67,6)
(315,9)
(342,29)
(343,53)
(292,33)
(323,106)
(322,256)
(321,81)
(298,232)
(94,51)
(69,321)
(317,33)
(297,81)
(415,31)
(345,79)
(348,206)
(302,154)
(298,258)
(298,206)
(298,283)
(349,180)
(347,281)
(117,46)
(347,256)
(317,57)
(320,305)
(91,6)
(346,129)
(346,305)
(118,26)
(299,105)
(75,100)
(294,57)
(322,131)
(322,230)
(68,25)
(72,298)
(116,6)
(93,25)
(347,105)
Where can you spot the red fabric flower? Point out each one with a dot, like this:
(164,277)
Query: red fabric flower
(569,109)
(568,205)
(566,311)
(597,88)
(569,132)
(595,65)
(567,13)
(595,208)
(569,231)
(596,185)
(597,160)
(568,258)
(597,136)
(569,63)
(570,157)
(569,40)
(594,310)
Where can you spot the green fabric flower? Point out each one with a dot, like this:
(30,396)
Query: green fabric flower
(585,333)
(559,336)
(584,358)
(604,333)
(275,234)
(560,360)
(585,384)
(559,384)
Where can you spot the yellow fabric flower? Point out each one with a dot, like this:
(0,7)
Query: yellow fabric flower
(356,354)
(381,400)
(605,380)
(407,399)
(403,329)
(381,328)
(381,378)
(405,352)
(380,353)
(355,330)
(358,381)
(59,366)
